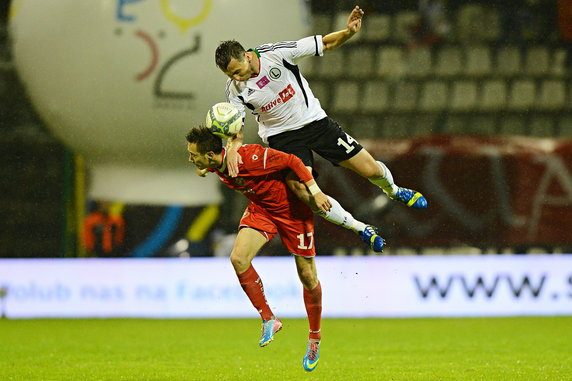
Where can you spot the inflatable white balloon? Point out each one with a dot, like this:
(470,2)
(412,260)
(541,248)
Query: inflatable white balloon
(121,81)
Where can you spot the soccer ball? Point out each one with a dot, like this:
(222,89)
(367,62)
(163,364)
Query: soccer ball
(224,120)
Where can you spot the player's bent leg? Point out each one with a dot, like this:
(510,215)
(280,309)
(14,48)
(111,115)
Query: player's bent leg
(248,243)
(368,233)
(338,215)
(364,164)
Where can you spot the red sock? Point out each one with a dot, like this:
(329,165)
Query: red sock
(252,286)
(313,303)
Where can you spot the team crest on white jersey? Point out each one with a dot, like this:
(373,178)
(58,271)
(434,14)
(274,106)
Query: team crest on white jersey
(274,73)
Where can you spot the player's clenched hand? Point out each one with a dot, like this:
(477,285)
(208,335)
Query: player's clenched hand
(354,19)
(322,202)
(202,172)
(233,159)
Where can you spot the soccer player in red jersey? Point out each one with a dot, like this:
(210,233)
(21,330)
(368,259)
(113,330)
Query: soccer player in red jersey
(273,209)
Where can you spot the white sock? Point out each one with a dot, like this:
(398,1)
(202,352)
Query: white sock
(385,182)
(339,216)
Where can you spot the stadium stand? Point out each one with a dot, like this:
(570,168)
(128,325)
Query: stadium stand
(476,70)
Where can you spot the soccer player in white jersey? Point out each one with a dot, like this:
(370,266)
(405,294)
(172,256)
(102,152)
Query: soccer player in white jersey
(267,81)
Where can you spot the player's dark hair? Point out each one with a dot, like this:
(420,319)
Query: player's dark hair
(226,51)
(205,140)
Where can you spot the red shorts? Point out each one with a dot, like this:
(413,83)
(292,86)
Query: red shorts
(297,234)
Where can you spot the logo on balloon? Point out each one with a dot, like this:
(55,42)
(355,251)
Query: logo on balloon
(127,14)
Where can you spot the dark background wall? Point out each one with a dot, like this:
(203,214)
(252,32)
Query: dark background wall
(32,170)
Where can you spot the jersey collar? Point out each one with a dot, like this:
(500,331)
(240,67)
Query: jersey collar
(259,63)
(255,51)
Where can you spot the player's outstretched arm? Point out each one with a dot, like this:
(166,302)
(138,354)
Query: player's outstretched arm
(336,39)
(233,158)
(321,200)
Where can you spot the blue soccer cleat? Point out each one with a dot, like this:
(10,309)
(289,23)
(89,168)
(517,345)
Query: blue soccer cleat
(411,198)
(370,236)
(312,356)
(269,328)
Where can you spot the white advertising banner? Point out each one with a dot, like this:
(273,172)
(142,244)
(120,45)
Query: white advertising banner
(409,286)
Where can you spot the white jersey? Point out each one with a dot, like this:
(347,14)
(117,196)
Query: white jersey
(279,96)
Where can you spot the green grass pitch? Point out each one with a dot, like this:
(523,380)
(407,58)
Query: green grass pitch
(525,348)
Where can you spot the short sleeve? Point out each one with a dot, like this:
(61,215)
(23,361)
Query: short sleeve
(308,46)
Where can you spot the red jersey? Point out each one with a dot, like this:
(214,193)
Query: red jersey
(260,178)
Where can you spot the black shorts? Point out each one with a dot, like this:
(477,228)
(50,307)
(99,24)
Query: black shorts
(324,136)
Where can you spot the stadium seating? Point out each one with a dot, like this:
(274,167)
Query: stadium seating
(419,62)
(493,95)
(464,95)
(405,96)
(375,97)
(434,96)
(346,96)
(390,61)
(508,61)
(482,82)
(378,28)
(449,61)
(537,60)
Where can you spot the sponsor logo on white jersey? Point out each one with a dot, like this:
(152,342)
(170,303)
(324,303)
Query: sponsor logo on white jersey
(283,97)
(262,82)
